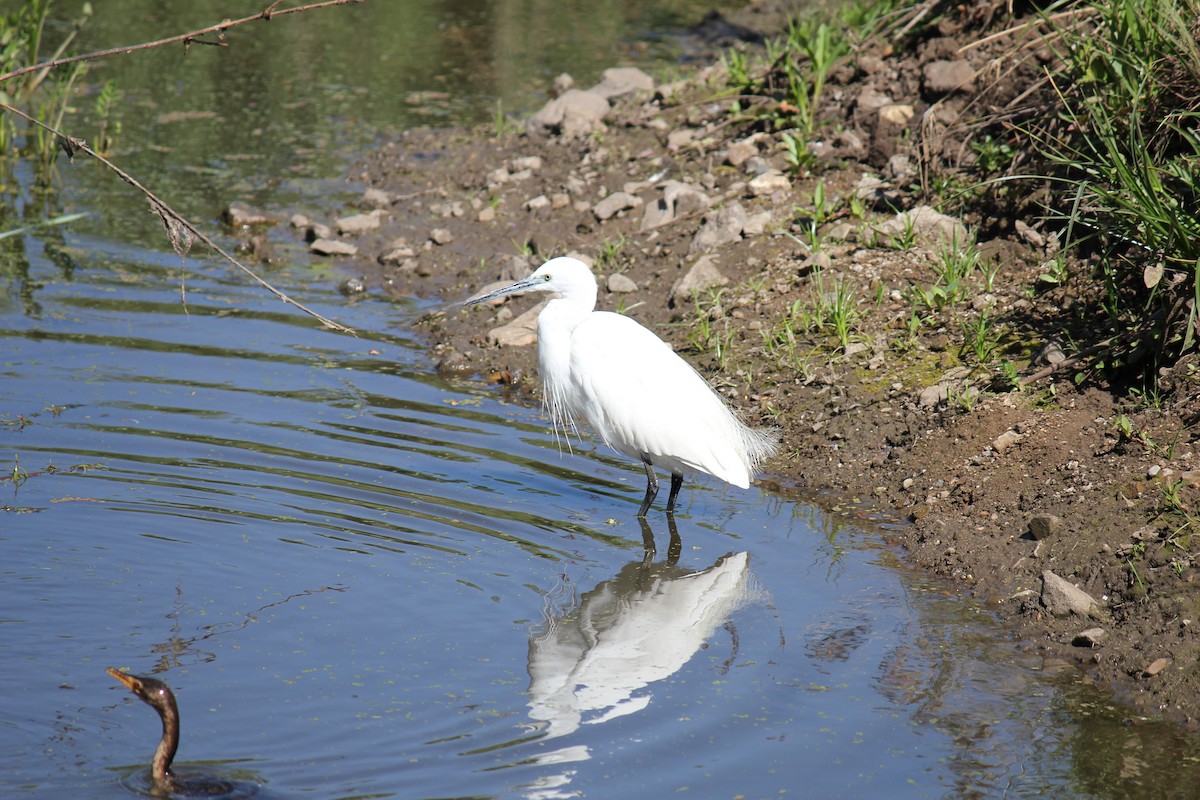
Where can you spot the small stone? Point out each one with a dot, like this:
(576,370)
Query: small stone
(720,227)
(537,203)
(1156,666)
(703,275)
(1043,526)
(487,214)
(943,77)
(359,223)
(353,286)
(520,332)
(574,113)
(560,200)
(239,216)
(896,113)
(757,224)
(376,198)
(621,81)
(441,236)
(1006,440)
(299,221)
(614,204)
(680,138)
(1052,353)
(740,152)
(562,84)
(1061,597)
(332,247)
(618,283)
(925,223)
(769,182)
(531,163)
(1092,637)
(1031,236)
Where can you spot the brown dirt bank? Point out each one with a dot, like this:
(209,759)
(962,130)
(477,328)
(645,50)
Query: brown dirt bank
(905,419)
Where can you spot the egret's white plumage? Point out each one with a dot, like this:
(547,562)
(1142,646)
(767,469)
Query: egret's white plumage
(640,397)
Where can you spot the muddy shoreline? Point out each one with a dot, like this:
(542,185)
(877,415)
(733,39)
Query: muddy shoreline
(697,228)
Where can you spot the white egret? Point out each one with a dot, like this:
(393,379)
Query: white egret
(640,397)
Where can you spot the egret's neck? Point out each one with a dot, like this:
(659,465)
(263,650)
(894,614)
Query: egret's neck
(556,323)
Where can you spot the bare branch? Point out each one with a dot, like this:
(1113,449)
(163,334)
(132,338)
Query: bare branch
(180,232)
(192,37)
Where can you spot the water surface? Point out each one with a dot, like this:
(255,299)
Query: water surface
(365,582)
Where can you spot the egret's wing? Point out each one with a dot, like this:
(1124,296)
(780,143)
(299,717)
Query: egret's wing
(641,397)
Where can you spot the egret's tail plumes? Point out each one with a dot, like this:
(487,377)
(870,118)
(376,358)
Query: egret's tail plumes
(759,444)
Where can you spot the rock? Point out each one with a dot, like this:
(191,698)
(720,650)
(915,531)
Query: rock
(562,84)
(1006,440)
(703,275)
(757,224)
(332,247)
(897,114)
(719,228)
(899,167)
(741,151)
(932,395)
(1043,526)
(359,223)
(240,217)
(537,203)
(498,177)
(1092,637)
(818,260)
(770,182)
(620,284)
(621,81)
(658,213)
(679,199)
(395,255)
(1032,237)
(943,77)
(614,204)
(441,236)
(1156,666)
(926,224)
(376,198)
(680,138)
(1051,354)
(259,248)
(487,214)
(1061,597)
(560,200)
(521,332)
(685,198)
(575,113)
(317,230)
(352,286)
(299,221)
(530,163)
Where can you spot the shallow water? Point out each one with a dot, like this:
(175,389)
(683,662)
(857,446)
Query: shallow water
(364,582)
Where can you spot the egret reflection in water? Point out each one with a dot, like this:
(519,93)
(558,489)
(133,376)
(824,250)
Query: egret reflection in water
(596,660)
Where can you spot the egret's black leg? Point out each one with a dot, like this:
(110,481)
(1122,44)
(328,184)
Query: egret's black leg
(676,545)
(651,487)
(676,485)
(648,548)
